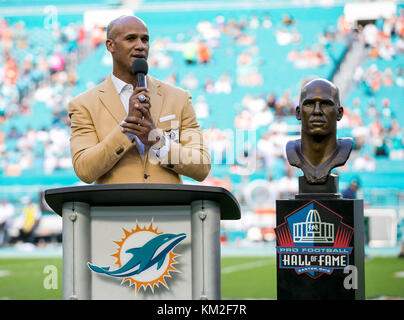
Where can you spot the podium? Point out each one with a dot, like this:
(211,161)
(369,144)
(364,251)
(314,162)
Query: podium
(142,241)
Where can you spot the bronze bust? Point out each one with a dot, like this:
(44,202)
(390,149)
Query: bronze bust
(318,151)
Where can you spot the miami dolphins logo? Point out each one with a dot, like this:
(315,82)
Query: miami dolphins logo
(144,257)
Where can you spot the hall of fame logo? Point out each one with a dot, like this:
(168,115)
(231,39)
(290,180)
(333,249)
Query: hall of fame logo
(314,241)
(144,257)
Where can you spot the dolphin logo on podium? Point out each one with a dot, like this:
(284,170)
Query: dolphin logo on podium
(153,252)
(151,257)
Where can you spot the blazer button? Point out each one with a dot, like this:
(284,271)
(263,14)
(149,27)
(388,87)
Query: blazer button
(120,150)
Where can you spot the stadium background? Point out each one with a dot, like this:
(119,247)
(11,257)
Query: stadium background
(244,63)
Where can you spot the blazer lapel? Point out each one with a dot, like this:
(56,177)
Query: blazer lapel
(111,100)
(156,103)
(156,99)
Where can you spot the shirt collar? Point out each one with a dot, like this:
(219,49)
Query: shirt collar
(119,84)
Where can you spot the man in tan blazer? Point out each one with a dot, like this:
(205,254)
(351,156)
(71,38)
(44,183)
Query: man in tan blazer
(122,133)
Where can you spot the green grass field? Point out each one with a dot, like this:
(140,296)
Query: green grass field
(242,278)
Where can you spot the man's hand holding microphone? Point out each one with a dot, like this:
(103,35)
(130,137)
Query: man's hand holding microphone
(139,120)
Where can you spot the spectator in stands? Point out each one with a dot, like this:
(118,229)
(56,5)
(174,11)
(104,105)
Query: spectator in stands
(266,21)
(10,71)
(70,33)
(283,37)
(219,144)
(266,150)
(244,120)
(284,105)
(209,86)
(190,82)
(172,79)
(394,128)
(287,19)
(223,84)
(271,101)
(351,190)
(288,185)
(32,216)
(371,111)
(373,52)
(254,22)
(224,182)
(21,35)
(7,37)
(245,58)
(56,62)
(344,26)
(386,111)
(262,115)
(388,80)
(381,146)
(352,118)
(81,40)
(14,133)
(160,59)
(358,74)
(97,35)
(201,107)
(209,33)
(400,77)
(308,58)
(203,52)
(2,140)
(387,51)
(364,163)
(376,128)
(190,52)
(253,103)
(6,214)
(370,35)
(279,127)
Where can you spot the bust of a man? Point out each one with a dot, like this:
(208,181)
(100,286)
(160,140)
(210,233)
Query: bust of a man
(318,151)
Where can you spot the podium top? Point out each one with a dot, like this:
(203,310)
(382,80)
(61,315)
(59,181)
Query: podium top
(144,194)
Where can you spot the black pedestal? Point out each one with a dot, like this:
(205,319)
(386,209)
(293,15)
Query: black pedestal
(320,249)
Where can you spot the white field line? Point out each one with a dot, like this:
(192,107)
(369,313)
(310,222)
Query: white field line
(4,273)
(399,274)
(246,266)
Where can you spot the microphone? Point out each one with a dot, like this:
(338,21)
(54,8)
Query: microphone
(139,69)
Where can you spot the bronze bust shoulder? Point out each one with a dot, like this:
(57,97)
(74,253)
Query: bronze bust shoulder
(319,174)
(318,151)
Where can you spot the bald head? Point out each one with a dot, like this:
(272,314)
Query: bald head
(119,23)
(319,108)
(320,88)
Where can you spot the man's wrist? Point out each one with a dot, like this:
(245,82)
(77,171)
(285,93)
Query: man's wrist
(130,136)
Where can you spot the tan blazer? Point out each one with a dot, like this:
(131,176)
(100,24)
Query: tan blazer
(102,153)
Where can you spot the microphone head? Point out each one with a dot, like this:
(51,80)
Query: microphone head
(140,66)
